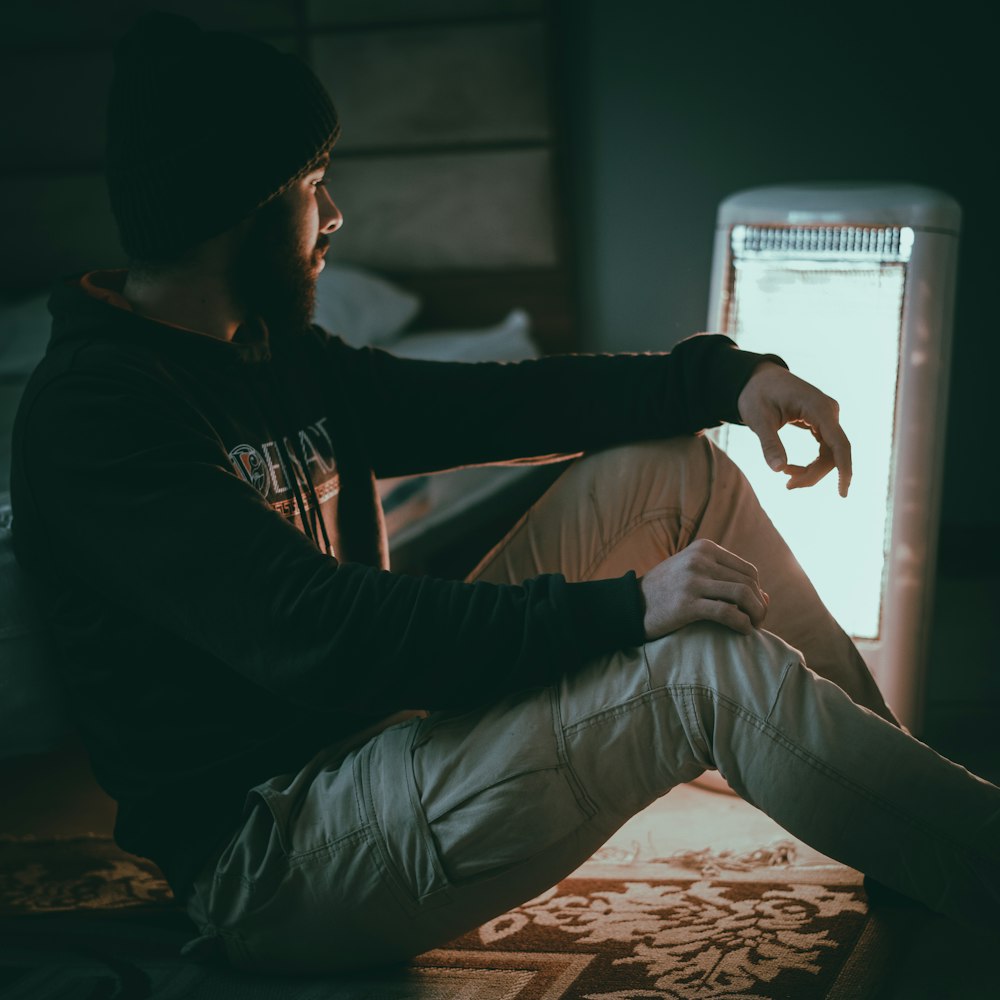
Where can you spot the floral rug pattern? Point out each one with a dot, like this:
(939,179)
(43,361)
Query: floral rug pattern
(677,939)
(702,927)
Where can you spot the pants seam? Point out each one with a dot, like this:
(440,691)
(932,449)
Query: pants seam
(636,522)
(330,847)
(769,730)
(621,709)
(777,693)
(394,878)
(587,805)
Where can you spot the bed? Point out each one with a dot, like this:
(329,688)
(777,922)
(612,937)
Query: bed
(454,243)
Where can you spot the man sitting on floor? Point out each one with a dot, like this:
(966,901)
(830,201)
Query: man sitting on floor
(193,484)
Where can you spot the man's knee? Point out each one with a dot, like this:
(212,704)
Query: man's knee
(663,457)
(665,480)
(743,670)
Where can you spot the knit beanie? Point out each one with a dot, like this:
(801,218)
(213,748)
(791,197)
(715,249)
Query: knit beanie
(203,128)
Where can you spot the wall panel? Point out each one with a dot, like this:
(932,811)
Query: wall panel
(448,84)
(482,210)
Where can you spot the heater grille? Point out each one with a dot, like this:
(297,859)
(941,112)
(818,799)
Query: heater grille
(882,243)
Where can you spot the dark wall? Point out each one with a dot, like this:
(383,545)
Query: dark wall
(672,108)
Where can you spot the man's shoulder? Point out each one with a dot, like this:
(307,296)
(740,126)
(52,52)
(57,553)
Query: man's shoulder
(99,384)
(75,366)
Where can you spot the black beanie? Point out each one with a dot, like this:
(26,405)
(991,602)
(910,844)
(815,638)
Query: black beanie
(203,128)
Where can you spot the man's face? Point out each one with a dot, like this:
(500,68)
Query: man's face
(275,270)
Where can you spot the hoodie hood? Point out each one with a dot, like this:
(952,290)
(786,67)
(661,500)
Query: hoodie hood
(90,308)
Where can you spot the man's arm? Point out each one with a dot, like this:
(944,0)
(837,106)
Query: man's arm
(128,491)
(419,416)
(131,492)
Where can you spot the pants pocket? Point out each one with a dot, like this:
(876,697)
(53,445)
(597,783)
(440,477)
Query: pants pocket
(462,797)
(504,824)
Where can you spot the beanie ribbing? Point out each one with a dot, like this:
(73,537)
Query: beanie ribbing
(203,128)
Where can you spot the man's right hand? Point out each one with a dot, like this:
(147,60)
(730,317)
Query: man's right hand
(703,582)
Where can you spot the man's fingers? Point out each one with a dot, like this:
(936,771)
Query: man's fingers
(834,447)
(748,599)
(771,446)
(841,447)
(704,581)
(774,397)
(733,577)
(800,476)
(732,561)
(834,452)
(723,613)
(720,575)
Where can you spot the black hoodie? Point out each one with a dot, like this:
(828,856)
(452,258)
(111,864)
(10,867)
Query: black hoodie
(199,519)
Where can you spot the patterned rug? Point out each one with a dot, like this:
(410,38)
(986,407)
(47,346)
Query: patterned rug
(81,919)
(73,874)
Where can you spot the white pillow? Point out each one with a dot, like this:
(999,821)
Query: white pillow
(360,306)
(509,340)
(24,334)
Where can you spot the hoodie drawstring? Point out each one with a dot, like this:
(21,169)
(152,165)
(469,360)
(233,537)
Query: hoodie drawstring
(309,517)
(300,456)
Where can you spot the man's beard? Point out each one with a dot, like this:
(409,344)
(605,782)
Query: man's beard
(271,278)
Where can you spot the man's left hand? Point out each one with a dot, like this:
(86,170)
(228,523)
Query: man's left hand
(774,397)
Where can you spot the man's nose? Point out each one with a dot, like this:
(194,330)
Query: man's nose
(330,219)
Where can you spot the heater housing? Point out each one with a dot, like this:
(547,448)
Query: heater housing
(853,286)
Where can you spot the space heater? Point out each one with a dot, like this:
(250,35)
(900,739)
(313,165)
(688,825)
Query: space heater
(853,285)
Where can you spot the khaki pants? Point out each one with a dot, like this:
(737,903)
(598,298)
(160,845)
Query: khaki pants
(437,824)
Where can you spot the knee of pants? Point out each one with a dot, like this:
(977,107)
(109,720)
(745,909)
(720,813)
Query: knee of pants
(720,664)
(670,459)
(663,480)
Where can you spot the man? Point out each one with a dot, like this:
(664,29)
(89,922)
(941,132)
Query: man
(193,483)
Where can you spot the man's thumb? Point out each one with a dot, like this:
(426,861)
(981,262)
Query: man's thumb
(774,451)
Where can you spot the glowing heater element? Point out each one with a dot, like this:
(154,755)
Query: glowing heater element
(853,287)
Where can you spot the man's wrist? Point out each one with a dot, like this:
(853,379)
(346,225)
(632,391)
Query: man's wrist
(734,369)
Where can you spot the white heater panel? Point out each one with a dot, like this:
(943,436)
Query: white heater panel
(853,287)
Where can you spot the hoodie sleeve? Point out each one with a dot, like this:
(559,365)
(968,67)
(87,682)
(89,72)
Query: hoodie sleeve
(127,489)
(422,416)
